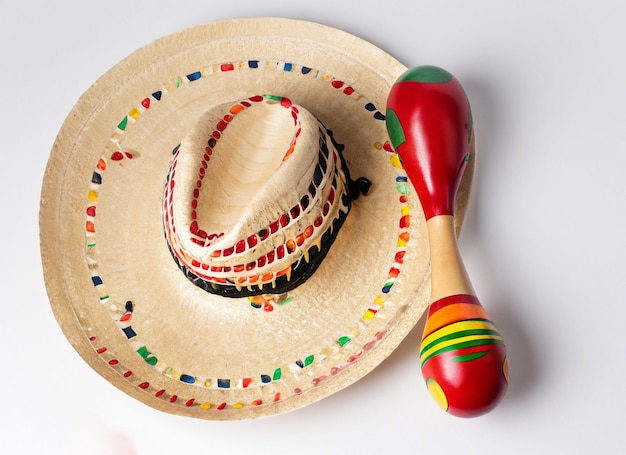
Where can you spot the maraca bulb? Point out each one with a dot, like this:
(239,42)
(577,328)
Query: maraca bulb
(427,111)
(463,357)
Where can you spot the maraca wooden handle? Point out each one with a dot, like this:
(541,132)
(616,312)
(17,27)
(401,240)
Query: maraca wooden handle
(463,357)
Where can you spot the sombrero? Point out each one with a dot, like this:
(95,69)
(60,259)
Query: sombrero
(226,230)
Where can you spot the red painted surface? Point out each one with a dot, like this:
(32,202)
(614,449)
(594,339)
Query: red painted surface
(435,118)
(463,356)
(467,356)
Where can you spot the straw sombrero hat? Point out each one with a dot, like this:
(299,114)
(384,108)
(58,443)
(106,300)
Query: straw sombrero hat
(226,232)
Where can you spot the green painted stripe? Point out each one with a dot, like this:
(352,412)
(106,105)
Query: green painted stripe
(459,334)
(469,357)
(466,344)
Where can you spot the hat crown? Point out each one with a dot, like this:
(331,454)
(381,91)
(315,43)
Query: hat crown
(255,196)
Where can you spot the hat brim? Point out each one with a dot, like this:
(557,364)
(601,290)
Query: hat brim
(116,292)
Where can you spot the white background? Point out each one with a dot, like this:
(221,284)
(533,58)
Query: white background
(544,238)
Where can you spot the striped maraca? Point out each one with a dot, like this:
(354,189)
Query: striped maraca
(463,357)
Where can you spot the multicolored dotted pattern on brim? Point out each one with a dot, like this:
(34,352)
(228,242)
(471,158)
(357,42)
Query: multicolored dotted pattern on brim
(123,315)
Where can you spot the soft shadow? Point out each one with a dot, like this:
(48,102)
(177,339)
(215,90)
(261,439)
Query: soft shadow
(409,349)
(504,306)
(522,353)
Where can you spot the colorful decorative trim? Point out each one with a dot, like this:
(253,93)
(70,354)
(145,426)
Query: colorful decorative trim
(463,357)
(304,249)
(123,317)
(458,324)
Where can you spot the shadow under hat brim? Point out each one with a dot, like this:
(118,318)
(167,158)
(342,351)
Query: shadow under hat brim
(116,292)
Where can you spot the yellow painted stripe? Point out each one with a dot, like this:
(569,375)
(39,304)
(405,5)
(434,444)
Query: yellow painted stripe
(455,341)
(457,327)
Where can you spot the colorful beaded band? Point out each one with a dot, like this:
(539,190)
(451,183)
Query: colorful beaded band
(300,251)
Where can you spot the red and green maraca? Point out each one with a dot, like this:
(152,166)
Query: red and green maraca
(463,356)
